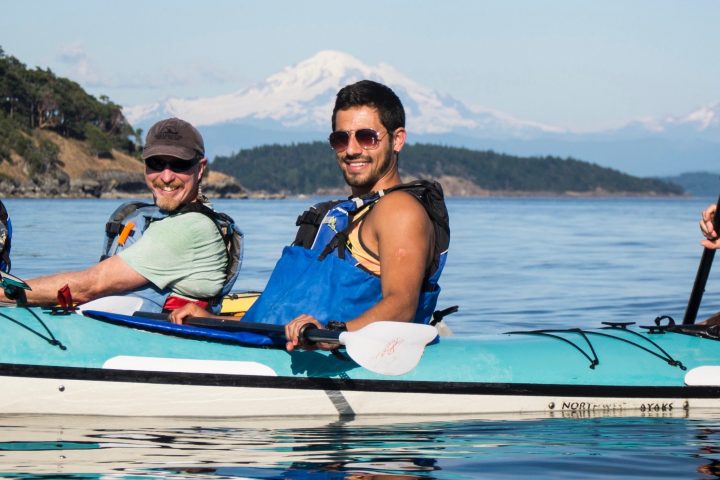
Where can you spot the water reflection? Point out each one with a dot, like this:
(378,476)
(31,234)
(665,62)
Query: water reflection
(599,447)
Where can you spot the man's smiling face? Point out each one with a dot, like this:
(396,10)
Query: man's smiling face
(172,189)
(365,170)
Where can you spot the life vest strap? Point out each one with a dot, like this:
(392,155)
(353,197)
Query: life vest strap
(341,238)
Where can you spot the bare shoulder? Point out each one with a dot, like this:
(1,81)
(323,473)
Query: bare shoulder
(401,203)
(399,229)
(400,208)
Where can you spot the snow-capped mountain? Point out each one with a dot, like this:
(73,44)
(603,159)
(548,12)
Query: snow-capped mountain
(302,96)
(703,122)
(296,103)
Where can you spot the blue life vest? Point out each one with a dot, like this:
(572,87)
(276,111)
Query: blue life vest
(136,217)
(5,239)
(317,275)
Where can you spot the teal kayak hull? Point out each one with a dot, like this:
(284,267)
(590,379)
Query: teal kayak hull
(71,364)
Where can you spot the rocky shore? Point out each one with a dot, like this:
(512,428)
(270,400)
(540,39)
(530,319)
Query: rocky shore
(77,173)
(105,184)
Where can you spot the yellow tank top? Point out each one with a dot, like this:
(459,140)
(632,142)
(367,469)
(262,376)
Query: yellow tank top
(368,260)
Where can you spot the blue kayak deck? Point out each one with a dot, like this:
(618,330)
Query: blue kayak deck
(605,356)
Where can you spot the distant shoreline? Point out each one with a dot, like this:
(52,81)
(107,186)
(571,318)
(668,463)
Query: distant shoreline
(263,196)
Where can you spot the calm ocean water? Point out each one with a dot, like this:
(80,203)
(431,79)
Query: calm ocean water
(513,264)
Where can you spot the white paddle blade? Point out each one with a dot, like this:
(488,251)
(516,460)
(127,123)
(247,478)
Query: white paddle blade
(388,348)
(113,304)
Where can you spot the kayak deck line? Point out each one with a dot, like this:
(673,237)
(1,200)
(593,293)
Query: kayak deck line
(592,356)
(594,361)
(50,338)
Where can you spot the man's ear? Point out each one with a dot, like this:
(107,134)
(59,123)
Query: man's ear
(399,137)
(202,164)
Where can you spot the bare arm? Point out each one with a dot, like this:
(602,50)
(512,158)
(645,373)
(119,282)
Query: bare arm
(401,232)
(108,277)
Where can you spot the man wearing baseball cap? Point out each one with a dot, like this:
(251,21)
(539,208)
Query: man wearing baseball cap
(169,253)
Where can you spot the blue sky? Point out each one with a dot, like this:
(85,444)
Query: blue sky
(577,64)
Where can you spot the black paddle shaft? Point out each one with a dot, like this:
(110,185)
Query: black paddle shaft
(310,334)
(701,276)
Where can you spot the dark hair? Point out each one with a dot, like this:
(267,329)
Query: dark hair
(372,94)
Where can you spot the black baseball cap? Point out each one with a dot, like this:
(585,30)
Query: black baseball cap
(175,138)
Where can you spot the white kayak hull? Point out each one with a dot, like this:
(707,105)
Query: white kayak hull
(74,365)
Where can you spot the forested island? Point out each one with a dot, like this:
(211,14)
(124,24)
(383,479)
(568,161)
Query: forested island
(308,168)
(56,140)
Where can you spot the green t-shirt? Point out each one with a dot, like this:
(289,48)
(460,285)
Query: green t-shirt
(184,252)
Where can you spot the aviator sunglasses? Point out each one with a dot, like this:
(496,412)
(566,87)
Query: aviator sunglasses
(178,166)
(367,138)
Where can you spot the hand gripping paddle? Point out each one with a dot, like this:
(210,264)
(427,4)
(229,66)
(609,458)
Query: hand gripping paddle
(387,348)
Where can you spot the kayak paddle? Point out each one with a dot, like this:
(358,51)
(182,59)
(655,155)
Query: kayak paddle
(701,276)
(387,348)
(14,287)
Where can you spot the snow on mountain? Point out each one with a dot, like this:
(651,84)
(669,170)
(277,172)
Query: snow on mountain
(302,96)
(705,118)
(295,105)
(703,122)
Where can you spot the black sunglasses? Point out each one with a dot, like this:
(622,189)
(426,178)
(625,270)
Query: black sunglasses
(178,166)
(367,138)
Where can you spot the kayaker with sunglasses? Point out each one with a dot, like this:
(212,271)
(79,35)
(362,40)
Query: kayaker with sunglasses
(168,253)
(375,256)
